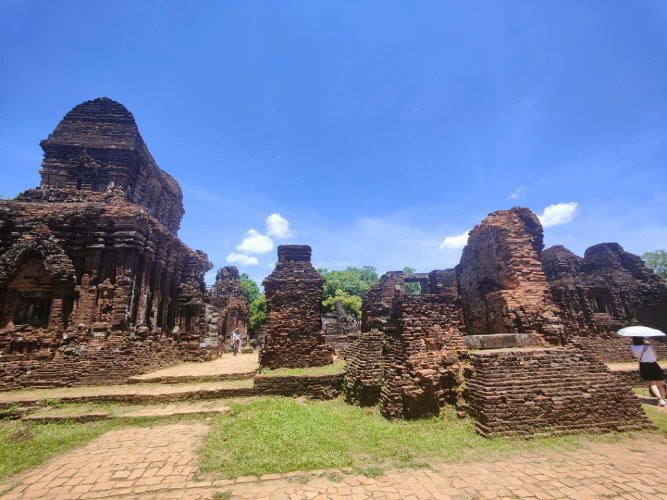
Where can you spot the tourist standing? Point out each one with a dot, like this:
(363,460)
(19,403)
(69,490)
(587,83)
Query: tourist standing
(649,369)
(236,341)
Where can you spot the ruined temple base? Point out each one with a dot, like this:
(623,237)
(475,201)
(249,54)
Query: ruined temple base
(613,348)
(296,351)
(502,340)
(548,391)
(99,361)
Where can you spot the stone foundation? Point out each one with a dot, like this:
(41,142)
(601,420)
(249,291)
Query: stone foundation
(311,386)
(98,362)
(531,392)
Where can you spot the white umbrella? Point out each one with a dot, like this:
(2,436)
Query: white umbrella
(640,331)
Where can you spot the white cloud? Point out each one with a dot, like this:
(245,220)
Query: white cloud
(278,227)
(516,194)
(242,259)
(560,213)
(455,242)
(256,243)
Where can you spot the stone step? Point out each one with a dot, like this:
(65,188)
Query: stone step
(180,379)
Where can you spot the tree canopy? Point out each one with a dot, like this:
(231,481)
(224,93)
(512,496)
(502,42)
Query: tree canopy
(258,312)
(657,261)
(251,288)
(256,302)
(411,288)
(348,286)
(351,303)
(353,280)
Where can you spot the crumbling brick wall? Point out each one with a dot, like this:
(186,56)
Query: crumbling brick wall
(406,355)
(424,340)
(604,291)
(364,369)
(82,359)
(377,302)
(294,335)
(500,276)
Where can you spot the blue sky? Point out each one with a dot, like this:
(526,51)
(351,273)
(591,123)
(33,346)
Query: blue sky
(375,129)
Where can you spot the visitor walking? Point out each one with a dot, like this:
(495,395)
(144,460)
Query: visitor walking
(236,341)
(649,369)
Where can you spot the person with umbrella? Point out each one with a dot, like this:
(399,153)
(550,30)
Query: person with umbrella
(649,369)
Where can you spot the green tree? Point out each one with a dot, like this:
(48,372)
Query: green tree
(258,312)
(351,303)
(348,286)
(353,280)
(251,288)
(657,261)
(411,288)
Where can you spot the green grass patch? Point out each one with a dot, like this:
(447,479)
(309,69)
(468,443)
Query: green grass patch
(278,435)
(658,416)
(337,366)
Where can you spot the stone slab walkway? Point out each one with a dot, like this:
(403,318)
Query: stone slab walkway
(50,414)
(129,393)
(226,367)
(160,462)
(126,461)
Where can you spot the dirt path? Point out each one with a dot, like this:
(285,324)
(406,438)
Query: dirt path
(227,364)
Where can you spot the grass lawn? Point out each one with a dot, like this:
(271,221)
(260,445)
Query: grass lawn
(282,435)
(337,366)
(272,435)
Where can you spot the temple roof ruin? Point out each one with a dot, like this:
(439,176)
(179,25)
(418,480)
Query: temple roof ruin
(97,147)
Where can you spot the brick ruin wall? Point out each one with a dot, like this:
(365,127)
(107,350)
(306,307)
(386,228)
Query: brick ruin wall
(294,337)
(548,392)
(515,391)
(93,279)
(405,356)
(368,354)
(377,302)
(110,358)
(424,344)
(501,281)
(364,369)
(602,292)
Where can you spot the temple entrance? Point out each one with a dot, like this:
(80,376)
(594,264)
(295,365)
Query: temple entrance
(29,295)
(33,309)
